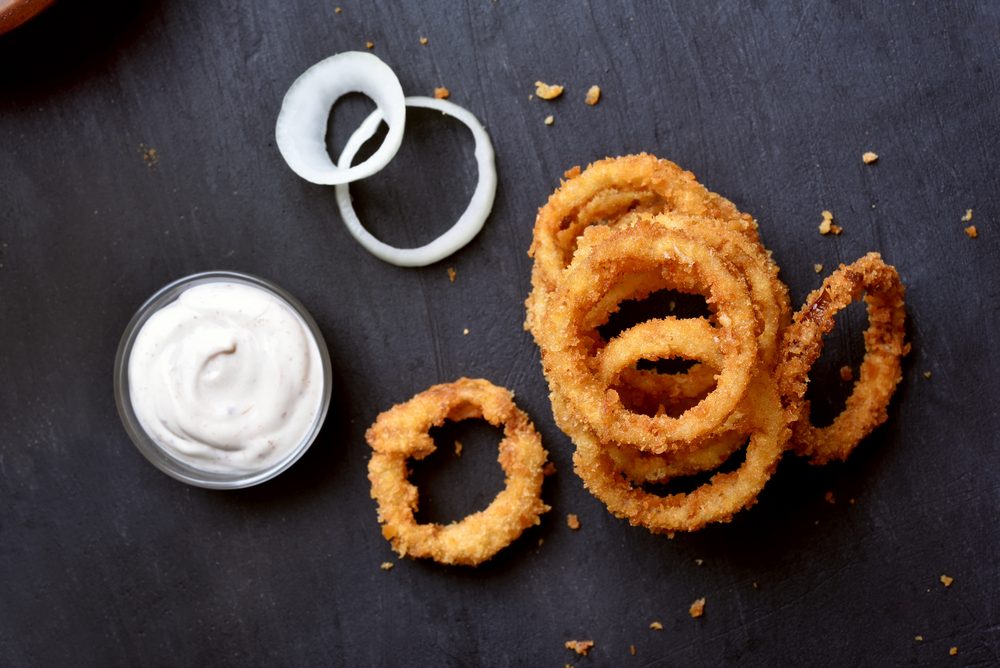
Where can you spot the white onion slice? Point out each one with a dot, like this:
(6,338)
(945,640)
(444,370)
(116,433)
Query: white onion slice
(468,224)
(301,128)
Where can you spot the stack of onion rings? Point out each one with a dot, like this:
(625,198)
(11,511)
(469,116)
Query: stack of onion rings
(627,227)
(401,433)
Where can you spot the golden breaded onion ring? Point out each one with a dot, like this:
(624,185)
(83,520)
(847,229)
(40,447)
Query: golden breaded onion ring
(881,369)
(402,432)
(566,342)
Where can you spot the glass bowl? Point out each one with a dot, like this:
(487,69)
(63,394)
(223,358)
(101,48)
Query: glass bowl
(157,455)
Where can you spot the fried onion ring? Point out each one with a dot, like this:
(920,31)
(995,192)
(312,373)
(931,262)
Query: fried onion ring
(641,247)
(881,369)
(402,432)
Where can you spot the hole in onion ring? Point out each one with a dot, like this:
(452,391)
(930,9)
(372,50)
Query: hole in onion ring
(659,304)
(453,486)
(345,115)
(671,365)
(844,346)
(689,483)
(409,207)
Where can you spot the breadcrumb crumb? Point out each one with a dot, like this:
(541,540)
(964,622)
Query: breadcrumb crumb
(423,41)
(947,580)
(631,650)
(550,119)
(971,232)
(968,216)
(818,268)
(918,638)
(927,375)
(953,651)
(846,374)
(465,331)
(581,647)
(369,45)
(830,498)
(828,226)
(458,448)
(337,10)
(697,608)
(452,274)
(699,562)
(547,92)
(868,157)
(573,522)
(549,469)
(441,93)
(656,626)
(593,95)
(387,565)
(572,172)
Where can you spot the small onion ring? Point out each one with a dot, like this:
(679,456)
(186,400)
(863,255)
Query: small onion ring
(468,224)
(881,369)
(300,131)
(401,433)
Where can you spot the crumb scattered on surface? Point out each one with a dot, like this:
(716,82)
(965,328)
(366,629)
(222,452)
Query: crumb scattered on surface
(541,541)
(697,608)
(549,469)
(593,95)
(656,626)
(631,650)
(386,565)
(149,155)
(971,232)
(337,10)
(828,226)
(670,535)
(369,45)
(423,41)
(947,580)
(547,92)
(918,638)
(755,585)
(699,562)
(968,216)
(441,93)
(581,647)
(465,332)
(927,375)
(851,501)
(458,448)
(829,498)
(452,274)
(818,268)
(550,119)
(868,157)
(846,374)
(953,651)
(573,522)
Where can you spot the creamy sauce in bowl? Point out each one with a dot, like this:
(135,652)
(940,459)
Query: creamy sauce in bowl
(227,378)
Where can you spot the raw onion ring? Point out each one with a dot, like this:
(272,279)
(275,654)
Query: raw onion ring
(401,433)
(468,224)
(300,131)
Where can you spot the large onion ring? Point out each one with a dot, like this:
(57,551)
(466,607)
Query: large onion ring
(881,369)
(300,132)
(716,501)
(468,224)
(565,344)
(401,433)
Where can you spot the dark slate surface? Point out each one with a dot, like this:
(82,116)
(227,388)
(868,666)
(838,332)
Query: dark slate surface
(104,560)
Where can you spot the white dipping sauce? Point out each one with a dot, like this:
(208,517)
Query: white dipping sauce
(227,378)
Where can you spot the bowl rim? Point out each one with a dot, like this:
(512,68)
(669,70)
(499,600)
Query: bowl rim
(150,449)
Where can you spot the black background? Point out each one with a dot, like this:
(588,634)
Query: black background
(103,559)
